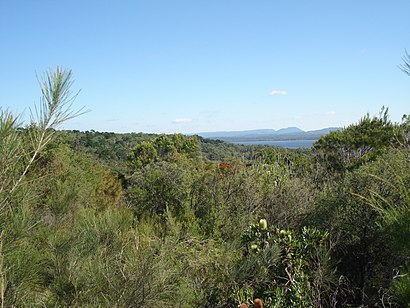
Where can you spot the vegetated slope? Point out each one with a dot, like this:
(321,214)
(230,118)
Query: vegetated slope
(170,218)
(100,219)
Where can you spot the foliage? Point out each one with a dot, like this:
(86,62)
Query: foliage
(287,268)
(405,67)
(163,148)
(393,207)
(95,219)
(357,144)
(19,153)
(359,212)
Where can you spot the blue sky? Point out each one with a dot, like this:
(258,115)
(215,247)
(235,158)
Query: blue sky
(194,66)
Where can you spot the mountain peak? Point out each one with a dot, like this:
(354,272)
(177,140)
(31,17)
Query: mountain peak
(289,130)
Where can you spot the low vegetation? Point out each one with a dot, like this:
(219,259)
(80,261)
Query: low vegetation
(91,219)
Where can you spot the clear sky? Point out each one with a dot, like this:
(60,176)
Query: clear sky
(193,66)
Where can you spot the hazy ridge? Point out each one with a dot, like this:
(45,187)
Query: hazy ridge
(289,133)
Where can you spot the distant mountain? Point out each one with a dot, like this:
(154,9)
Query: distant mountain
(289,130)
(290,133)
(324,131)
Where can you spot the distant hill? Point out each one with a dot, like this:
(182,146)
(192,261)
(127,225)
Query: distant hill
(290,133)
(289,130)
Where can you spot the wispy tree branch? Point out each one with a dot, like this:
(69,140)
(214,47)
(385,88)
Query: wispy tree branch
(405,67)
(55,109)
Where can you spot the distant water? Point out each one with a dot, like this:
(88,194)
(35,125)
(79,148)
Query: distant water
(290,144)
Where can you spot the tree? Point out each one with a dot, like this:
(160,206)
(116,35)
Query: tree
(55,108)
(143,154)
(19,151)
(357,144)
(163,148)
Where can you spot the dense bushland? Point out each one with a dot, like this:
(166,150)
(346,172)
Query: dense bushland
(135,220)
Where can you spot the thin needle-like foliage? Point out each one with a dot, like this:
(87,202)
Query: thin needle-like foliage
(55,109)
(405,67)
